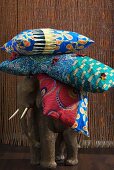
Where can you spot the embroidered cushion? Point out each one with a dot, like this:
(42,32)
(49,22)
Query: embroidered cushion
(46,41)
(80,72)
(63,102)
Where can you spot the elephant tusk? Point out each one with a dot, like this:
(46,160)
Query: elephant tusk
(23,114)
(14,114)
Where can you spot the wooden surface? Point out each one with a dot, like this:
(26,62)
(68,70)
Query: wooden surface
(17,158)
(93,18)
(87,162)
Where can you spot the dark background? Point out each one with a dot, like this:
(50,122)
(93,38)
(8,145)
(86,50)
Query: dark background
(93,18)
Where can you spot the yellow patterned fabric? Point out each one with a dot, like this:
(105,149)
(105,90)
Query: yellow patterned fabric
(46,41)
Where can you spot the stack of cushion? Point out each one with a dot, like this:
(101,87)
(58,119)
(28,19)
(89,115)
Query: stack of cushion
(50,54)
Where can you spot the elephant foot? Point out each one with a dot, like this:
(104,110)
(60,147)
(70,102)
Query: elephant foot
(71,162)
(35,157)
(50,165)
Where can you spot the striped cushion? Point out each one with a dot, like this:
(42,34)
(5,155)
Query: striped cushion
(46,41)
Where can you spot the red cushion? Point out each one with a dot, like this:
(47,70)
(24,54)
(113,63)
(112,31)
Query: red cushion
(59,100)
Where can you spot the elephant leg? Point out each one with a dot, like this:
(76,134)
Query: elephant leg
(33,122)
(70,138)
(35,155)
(60,149)
(47,143)
(30,129)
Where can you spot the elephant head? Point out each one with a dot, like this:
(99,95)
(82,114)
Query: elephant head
(28,94)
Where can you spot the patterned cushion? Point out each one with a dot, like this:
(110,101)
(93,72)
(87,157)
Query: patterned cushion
(80,72)
(63,102)
(46,41)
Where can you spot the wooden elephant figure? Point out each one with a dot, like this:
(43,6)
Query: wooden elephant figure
(44,132)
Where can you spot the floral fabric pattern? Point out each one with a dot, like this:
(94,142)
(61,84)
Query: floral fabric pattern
(46,41)
(64,103)
(82,73)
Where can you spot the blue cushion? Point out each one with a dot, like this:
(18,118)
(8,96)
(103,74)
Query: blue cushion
(81,122)
(46,41)
(83,73)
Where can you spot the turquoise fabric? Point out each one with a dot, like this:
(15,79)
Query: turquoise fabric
(83,73)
